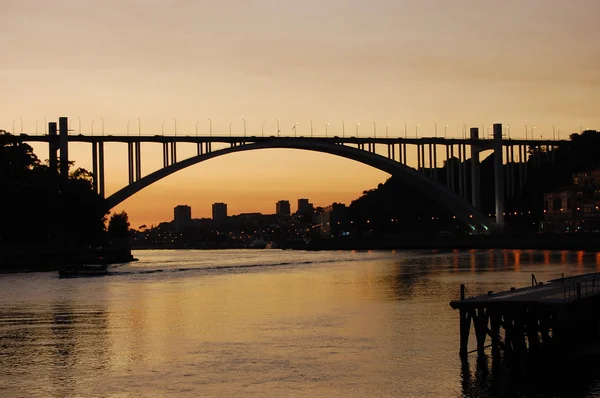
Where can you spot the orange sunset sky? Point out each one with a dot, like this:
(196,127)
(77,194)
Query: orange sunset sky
(517,62)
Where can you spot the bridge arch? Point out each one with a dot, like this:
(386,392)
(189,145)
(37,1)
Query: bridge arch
(462,209)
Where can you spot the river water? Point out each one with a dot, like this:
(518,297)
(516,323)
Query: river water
(269,323)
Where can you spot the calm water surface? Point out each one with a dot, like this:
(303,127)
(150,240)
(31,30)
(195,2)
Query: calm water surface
(268,323)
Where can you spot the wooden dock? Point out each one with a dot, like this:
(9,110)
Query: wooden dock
(555,315)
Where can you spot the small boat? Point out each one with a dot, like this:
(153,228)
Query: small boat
(72,271)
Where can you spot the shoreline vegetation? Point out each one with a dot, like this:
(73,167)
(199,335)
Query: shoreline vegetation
(51,217)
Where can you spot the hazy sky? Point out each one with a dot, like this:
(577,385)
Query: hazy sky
(518,62)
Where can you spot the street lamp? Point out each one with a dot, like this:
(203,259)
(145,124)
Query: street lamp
(311,128)
(92,127)
(102,125)
(465,130)
(210,127)
(533,128)
(435,130)
(446,131)
(553,132)
(405,130)
(36,123)
(197,127)
(374,130)
(387,131)
(559,132)
(294,128)
(175,126)
(508,130)
(244,120)
(525,130)
(139,126)
(13,129)
(343,129)
(278,130)
(580,128)
(417,131)
(230,123)
(326,126)
(357,129)
(128,128)
(162,128)
(262,129)
(79,121)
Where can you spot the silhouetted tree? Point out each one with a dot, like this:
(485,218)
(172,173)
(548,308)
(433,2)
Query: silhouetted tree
(37,207)
(118,226)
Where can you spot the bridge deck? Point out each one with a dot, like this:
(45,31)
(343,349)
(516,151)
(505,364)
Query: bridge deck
(554,292)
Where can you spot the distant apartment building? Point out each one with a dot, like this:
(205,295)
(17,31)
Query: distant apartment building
(574,208)
(330,220)
(219,211)
(305,208)
(282,208)
(182,217)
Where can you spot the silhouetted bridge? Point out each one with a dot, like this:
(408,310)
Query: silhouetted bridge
(386,154)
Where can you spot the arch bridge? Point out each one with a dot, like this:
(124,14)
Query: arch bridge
(455,191)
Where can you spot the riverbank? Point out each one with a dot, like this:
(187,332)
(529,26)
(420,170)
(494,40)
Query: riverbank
(585,242)
(27,258)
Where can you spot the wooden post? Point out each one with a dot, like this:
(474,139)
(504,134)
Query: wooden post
(495,332)
(465,329)
(481,327)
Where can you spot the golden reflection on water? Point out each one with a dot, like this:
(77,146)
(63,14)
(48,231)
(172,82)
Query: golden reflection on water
(331,328)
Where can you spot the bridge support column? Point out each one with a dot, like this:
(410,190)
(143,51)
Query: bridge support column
(475,171)
(53,146)
(461,189)
(448,182)
(525,150)
(95,166)
(465,173)
(431,160)
(173,152)
(400,157)
(404,160)
(130,161)
(101,168)
(423,158)
(435,170)
(511,168)
(165,154)
(138,161)
(452,170)
(498,174)
(63,126)
(200,149)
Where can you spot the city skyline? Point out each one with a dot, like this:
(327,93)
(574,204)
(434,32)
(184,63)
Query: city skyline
(386,61)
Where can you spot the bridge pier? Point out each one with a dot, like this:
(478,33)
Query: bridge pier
(130,161)
(138,161)
(435,170)
(461,189)
(475,171)
(165,154)
(498,174)
(53,146)
(452,170)
(101,167)
(63,126)
(448,182)
(95,166)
